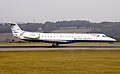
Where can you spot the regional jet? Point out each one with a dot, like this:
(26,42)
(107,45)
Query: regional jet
(57,38)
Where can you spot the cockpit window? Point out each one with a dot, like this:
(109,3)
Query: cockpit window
(98,35)
(104,36)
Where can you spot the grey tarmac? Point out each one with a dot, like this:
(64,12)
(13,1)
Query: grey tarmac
(62,47)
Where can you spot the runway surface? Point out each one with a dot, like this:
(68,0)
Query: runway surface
(44,47)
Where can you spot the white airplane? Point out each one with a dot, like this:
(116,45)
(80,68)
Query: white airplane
(58,38)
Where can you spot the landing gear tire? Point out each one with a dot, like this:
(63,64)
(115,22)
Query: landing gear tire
(55,45)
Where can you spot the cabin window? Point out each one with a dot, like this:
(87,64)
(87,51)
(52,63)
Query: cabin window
(103,36)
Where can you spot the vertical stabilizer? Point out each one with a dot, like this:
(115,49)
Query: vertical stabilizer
(16,30)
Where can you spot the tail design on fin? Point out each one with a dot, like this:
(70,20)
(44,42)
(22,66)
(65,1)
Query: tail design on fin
(16,30)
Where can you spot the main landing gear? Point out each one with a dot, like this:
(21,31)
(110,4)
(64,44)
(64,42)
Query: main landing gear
(55,45)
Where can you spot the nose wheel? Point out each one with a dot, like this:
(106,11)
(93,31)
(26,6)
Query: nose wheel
(55,45)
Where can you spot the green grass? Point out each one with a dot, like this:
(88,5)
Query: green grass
(60,62)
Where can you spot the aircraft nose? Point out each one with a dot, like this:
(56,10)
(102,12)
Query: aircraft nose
(114,40)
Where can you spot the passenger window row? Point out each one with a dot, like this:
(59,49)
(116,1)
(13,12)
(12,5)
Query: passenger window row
(67,36)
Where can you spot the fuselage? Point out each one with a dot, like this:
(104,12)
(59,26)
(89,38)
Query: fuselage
(65,37)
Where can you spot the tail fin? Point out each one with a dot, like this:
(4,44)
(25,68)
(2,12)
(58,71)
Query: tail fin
(16,30)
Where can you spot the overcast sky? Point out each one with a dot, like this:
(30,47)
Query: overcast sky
(58,10)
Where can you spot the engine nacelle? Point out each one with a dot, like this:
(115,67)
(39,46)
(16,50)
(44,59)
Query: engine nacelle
(31,35)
